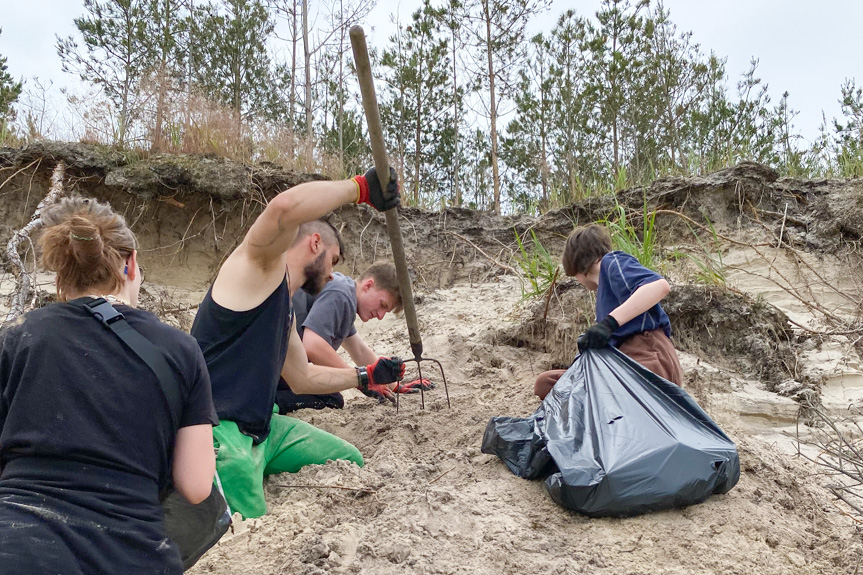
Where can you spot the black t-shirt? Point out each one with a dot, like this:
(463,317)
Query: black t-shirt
(245,352)
(71,389)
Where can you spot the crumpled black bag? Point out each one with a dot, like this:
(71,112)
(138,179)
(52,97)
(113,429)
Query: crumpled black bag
(614,439)
(195,528)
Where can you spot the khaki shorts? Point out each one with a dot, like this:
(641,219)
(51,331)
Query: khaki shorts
(652,349)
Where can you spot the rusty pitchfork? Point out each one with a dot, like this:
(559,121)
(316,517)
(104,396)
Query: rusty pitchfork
(373,119)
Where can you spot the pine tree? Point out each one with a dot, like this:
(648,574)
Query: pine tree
(290,11)
(710,125)
(616,63)
(9,92)
(166,32)
(849,148)
(751,128)
(232,65)
(577,133)
(496,28)
(526,147)
(114,55)
(347,14)
(450,17)
(420,123)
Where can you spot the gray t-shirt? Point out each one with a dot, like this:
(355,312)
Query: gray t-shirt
(331,313)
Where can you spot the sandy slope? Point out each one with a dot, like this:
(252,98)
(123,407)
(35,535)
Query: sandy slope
(440,506)
(428,501)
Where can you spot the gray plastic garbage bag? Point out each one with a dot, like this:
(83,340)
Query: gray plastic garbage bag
(614,439)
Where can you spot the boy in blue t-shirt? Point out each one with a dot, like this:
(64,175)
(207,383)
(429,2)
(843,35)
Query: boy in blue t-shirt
(628,313)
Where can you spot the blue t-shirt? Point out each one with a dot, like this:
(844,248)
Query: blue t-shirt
(620,275)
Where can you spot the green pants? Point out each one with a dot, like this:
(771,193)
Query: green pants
(291,445)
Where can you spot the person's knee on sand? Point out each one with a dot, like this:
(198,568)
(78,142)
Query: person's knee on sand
(545,382)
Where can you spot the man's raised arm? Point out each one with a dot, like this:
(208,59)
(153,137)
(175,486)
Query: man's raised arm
(255,268)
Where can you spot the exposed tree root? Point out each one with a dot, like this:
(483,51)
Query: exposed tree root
(21,298)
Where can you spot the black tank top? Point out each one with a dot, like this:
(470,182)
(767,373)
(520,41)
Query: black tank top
(245,352)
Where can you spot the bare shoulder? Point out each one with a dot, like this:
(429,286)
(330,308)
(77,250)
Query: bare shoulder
(244,281)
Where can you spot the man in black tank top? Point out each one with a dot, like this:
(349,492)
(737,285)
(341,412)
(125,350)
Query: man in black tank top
(245,330)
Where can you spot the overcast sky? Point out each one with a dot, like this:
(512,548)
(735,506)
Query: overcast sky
(807,48)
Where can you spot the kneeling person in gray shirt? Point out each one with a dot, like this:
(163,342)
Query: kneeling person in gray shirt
(326,322)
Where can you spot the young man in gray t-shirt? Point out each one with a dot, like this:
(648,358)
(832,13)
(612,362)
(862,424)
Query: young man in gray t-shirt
(326,322)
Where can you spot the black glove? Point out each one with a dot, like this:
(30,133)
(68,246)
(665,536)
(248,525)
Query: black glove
(372,194)
(381,392)
(386,370)
(597,335)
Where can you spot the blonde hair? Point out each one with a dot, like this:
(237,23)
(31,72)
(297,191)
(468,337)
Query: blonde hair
(85,242)
(386,279)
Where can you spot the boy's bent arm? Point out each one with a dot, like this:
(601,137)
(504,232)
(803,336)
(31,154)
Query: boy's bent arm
(641,300)
(306,378)
(359,350)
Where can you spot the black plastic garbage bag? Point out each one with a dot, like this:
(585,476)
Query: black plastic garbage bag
(195,528)
(615,439)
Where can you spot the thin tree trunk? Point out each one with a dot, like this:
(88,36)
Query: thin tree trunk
(616,110)
(418,131)
(493,110)
(401,132)
(161,78)
(187,118)
(455,118)
(308,69)
(237,100)
(293,96)
(543,166)
(341,88)
(156,145)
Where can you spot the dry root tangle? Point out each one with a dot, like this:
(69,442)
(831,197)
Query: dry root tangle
(839,442)
(23,298)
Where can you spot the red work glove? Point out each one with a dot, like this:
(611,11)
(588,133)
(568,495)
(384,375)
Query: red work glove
(384,371)
(370,192)
(415,386)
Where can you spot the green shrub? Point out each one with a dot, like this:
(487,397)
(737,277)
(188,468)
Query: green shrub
(539,269)
(627,238)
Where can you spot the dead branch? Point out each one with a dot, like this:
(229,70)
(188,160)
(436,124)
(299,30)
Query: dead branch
(441,475)
(39,160)
(24,279)
(788,287)
(361,490)
(799,256)
(838,441)
(548,294)
(488,257)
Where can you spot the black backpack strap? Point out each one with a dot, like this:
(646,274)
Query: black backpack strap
(112,319)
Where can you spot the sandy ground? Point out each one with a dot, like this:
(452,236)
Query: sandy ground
(430,502)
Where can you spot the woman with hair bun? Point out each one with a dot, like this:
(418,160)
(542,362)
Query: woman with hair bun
(87,441)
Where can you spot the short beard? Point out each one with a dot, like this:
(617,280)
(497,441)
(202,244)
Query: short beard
(316,275)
